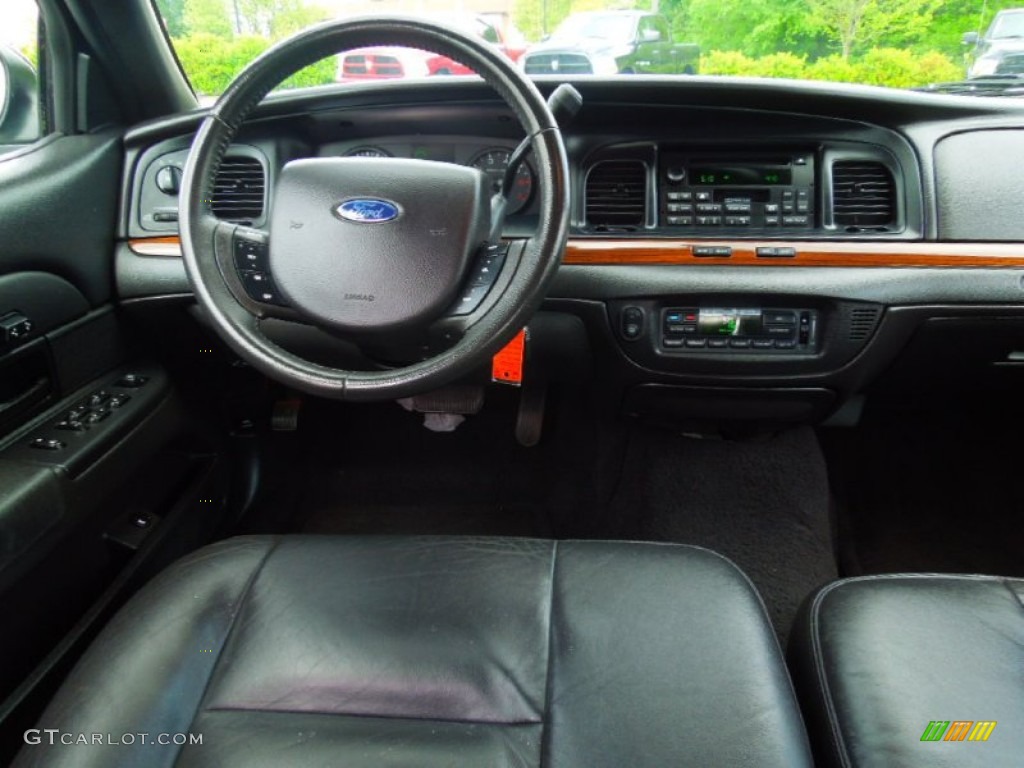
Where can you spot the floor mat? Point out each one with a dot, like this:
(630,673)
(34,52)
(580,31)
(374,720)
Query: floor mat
(930,492)
(375,469)
(763,503)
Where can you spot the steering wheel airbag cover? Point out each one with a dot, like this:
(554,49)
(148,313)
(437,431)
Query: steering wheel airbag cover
(375,245)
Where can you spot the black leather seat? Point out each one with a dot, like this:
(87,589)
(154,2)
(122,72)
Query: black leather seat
(380,652)
(912,671)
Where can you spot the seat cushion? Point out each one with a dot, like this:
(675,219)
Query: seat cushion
(374,651)
(912,671)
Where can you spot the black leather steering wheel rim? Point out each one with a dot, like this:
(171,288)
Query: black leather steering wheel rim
(537,265)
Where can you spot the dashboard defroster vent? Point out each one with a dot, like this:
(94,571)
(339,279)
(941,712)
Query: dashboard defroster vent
(863,195)
(616,194)
(862,322)
(239,190)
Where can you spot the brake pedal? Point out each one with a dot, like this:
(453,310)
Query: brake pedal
(461,399)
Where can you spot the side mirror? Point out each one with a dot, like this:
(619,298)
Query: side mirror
(970,38)
(19,98)
(650,36)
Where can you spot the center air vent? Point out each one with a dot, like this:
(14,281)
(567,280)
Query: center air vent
(239,190)
(863,195)
(617,194)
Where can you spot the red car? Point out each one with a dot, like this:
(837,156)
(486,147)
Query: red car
(394,62)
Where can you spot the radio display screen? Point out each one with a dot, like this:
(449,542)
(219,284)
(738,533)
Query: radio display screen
(707,176)
(729,322)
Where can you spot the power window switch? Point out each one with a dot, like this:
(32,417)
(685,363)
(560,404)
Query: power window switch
(14,328)
(47,444)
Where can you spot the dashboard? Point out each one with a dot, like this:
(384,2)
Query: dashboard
(782,245)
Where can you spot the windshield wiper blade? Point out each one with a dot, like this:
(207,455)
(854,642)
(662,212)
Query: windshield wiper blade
(993,85)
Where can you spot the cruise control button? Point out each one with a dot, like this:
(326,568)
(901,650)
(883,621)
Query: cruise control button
(250,254)
(260,287)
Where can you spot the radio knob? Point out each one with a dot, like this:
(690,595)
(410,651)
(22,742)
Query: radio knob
(676,175)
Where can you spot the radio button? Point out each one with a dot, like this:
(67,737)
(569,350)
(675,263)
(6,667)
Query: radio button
(795,221)
(688,329)
(763,344)
(670,342)
(680,221)
(718,343)
(709,221)
(771,221)
(680,208)
(785,344)
(771,208)
(696,343)
(739,343)
(703,197)
(803,201)
(709,207)
(737,207)
(779,318)
(780,330)
(737,221)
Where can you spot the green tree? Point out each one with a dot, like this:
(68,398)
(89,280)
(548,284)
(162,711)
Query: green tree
(208,17)
(865,23)
(173,13)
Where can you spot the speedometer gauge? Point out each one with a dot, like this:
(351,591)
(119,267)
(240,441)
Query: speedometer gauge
(367,152)
(493,162)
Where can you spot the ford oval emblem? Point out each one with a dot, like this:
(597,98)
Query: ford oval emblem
(367,210)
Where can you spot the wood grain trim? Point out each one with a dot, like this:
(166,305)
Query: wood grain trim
(156,246)
(810,253)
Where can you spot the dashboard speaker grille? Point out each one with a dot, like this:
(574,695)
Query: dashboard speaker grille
(617,194)
(863,195)
(239,190)
(862,322)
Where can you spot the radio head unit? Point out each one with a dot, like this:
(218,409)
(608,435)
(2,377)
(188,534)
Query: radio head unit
(705,192)
(727,329)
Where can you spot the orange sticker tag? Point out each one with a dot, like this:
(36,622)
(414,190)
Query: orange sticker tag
(507,366)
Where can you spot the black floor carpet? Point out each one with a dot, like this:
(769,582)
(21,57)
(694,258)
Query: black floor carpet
(375,469)
(763,503)
(930,491)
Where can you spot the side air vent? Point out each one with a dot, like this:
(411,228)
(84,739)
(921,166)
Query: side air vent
(239,190)
(863,195)
(862,322)
(617,194)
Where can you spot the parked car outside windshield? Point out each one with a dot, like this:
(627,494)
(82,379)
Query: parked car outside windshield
(892,43)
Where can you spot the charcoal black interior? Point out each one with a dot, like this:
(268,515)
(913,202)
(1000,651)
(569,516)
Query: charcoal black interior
(775,421)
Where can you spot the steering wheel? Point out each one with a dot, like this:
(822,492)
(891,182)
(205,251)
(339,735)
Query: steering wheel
(388,253)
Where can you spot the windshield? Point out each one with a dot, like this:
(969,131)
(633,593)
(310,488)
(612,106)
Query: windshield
(1008,25)
(921,44)
(610,28)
